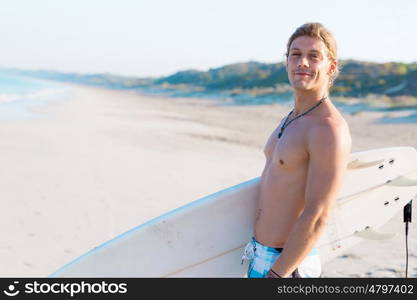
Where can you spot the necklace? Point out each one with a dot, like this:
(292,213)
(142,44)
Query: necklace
(285,125)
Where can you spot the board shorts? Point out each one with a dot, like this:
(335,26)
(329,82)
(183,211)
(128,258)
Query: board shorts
(261,258)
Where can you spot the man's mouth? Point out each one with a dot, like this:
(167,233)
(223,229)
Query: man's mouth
(302,74)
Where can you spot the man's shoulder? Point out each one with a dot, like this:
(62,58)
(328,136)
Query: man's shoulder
(328,125)
(329,131)
(329,119)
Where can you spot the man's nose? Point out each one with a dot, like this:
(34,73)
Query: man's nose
(303,62)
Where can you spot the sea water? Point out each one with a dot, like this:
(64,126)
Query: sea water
(18,95)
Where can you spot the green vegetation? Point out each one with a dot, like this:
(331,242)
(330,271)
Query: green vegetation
(355,80)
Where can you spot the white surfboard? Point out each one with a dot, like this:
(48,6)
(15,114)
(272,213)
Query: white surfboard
(206,237)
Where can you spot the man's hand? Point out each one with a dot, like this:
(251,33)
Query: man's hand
(272,274)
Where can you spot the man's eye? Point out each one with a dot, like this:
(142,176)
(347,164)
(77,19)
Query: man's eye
(294,54)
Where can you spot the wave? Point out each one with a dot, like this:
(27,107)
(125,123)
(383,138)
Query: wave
(43,94)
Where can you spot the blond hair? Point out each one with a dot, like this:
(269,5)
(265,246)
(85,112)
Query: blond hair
(318,31)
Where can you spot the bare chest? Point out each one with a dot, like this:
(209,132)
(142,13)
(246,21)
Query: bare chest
(288,152)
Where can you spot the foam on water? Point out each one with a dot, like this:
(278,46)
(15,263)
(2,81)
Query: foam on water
(18,95)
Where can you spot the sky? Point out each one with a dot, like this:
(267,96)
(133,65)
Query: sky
(152,38)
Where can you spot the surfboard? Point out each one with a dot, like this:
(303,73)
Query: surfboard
(206,237)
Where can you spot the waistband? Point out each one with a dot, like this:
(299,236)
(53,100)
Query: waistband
(255,246)
(313,251)
(257,242)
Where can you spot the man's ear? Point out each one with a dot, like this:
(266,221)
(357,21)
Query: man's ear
(332,68)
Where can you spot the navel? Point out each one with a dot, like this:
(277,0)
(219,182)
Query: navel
(281,161)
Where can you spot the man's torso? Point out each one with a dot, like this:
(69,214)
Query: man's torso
(283,180)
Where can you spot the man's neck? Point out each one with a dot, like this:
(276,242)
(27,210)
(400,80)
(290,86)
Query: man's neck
(306,99)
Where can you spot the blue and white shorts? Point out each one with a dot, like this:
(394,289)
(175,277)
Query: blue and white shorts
(262,258)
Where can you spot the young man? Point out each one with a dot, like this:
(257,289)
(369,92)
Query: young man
(306,158)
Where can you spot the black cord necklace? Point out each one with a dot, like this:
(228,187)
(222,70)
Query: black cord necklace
(285,125)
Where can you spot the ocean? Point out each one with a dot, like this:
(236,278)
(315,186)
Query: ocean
(18,95)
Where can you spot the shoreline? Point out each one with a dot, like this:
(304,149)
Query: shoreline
(92,167)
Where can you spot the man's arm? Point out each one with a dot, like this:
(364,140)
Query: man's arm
(329,149)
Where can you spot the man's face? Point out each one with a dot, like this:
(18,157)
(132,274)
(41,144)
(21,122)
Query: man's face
(308,65)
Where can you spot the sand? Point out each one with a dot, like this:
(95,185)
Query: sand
(104,161)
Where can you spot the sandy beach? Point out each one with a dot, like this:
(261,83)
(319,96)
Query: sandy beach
(105,161)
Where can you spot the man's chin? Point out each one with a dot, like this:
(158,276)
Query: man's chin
(301,86)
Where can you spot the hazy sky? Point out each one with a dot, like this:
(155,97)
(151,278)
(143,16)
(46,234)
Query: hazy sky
(160,37)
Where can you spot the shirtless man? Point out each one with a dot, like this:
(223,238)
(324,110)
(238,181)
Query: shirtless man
(304,167)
